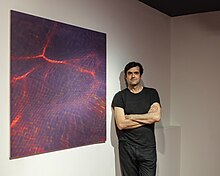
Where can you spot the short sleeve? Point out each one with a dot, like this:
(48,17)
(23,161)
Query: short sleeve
(154,96)
(118,100)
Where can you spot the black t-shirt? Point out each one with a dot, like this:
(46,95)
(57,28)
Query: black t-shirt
(137,104)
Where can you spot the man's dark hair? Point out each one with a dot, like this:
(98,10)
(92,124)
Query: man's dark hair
(133,64)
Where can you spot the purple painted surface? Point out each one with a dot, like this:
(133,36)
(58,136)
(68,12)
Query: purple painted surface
(58,86)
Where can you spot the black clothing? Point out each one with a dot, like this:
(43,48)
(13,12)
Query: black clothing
(137,161)
(139,140)
(137,104)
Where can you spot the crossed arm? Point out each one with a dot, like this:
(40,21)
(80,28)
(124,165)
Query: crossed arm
(136,120)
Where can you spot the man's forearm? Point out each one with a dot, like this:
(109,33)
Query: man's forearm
(153,115)
(130,124)
(136,120)
(147,118)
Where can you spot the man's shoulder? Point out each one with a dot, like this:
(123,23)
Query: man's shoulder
(149,89)
(118,99)
(121,92)
(152,92)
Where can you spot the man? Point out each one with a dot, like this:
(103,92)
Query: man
(136,109)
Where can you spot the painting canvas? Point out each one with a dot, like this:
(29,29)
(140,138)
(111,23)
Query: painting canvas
(57,86)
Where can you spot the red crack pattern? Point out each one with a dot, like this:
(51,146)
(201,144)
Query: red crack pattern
(58,86)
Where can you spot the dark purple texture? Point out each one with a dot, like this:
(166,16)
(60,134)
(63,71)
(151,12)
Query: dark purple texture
(58,86)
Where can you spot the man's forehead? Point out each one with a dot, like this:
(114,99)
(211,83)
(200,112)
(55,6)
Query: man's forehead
(134,69)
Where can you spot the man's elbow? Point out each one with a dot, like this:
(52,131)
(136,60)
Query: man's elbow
(157,118)
(121,126)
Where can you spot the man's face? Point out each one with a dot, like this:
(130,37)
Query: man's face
(133,76)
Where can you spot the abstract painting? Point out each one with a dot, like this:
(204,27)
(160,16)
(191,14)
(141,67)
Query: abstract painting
(57,86)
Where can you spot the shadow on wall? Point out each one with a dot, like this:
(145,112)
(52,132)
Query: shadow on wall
(114,139)
(114,142)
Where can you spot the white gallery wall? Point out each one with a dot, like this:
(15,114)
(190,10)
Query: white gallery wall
(134,32)
(195,86)
(181,59)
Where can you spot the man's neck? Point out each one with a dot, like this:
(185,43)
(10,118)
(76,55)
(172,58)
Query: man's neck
(135,89)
